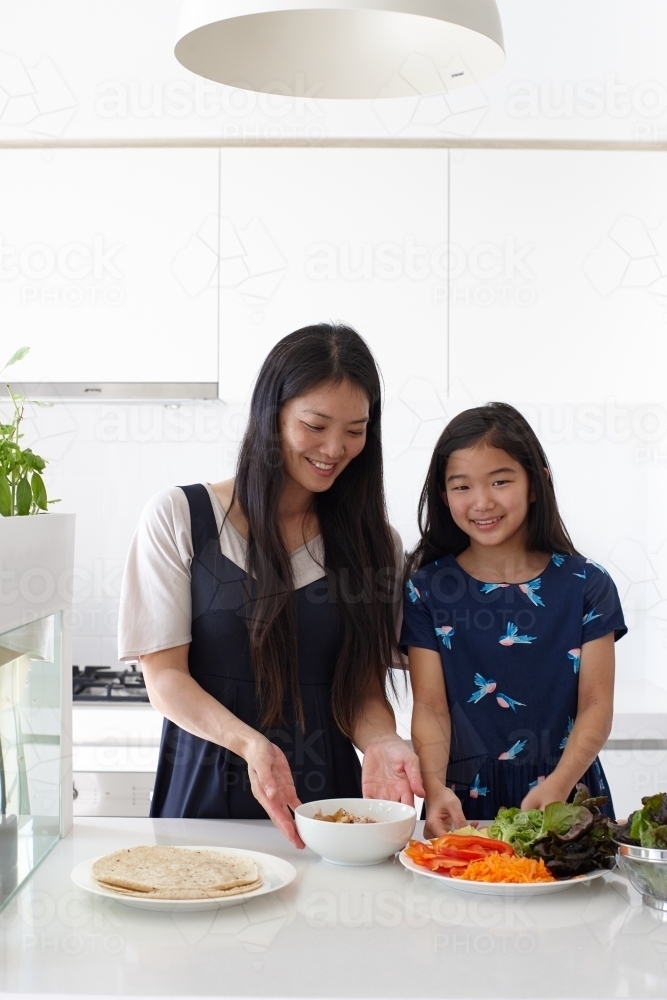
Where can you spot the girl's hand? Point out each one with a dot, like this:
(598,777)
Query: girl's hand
(390,770)
(272,785)
(547,791)
(443,812)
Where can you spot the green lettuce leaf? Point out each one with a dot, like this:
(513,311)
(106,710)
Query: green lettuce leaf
(566,820)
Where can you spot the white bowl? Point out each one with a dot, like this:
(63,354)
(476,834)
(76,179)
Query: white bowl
(356,843)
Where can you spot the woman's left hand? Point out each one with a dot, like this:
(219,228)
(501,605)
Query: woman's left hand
(390,770)
(544,793)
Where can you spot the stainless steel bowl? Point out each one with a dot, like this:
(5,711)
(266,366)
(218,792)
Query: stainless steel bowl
(646,869)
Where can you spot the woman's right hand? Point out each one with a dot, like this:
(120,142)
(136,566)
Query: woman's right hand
(443,812)
(272,785)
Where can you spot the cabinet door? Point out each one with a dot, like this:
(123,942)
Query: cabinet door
(357,236)
(559,276)
(108,264)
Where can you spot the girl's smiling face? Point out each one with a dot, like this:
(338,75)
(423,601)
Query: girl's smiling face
(488,494)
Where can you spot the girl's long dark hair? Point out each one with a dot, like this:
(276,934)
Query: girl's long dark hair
(498,425)
(359,552)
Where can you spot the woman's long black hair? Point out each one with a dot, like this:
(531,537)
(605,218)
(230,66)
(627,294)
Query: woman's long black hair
(498,425)
(359,553)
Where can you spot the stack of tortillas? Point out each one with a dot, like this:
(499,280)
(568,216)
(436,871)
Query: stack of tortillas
(176,873)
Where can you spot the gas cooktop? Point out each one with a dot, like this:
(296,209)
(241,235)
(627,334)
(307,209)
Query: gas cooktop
(102,684)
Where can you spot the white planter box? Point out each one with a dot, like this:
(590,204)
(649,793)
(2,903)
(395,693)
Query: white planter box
(36,570)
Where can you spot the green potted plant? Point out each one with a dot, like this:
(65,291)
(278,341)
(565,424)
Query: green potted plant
(22,489)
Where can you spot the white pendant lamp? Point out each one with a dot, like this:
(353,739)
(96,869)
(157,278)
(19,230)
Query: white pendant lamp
(340,48)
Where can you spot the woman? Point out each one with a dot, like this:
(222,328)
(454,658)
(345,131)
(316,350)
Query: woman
(264,608)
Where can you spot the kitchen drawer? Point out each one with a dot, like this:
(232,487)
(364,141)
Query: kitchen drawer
(113,793)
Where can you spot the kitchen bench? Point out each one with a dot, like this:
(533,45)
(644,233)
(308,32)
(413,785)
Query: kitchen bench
(376,932)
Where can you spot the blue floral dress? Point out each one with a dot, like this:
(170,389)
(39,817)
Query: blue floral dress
(510,655)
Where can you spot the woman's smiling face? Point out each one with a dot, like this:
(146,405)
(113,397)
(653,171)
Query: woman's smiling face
(488,493)
(321,432)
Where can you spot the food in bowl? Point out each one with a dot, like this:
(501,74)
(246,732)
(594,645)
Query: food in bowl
(356,843)
(343,816)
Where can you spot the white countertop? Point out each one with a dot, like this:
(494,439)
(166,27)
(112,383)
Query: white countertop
(376,932)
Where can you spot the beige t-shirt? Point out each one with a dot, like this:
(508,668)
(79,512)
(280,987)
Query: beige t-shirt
(155,602)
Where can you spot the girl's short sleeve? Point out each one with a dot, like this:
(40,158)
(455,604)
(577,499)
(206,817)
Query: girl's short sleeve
(418,628)
(602,608)
(155,602)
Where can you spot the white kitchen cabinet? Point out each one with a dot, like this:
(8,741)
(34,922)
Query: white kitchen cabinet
(560,284)
(108,264)
(353,235)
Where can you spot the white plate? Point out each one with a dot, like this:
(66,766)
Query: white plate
(500,888)
(275,872)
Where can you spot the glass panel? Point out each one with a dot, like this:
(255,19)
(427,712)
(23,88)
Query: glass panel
(30,726)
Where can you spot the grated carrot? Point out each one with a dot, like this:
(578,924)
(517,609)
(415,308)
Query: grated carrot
(501,868)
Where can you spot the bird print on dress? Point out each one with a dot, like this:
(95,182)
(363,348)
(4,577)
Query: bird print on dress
(538,781)
(413,593)
(582,576)
(557,559)
(570,726)
(513,751)
(591,616)
(484,687)
(598,774)
(512,637)
(446,633)
(592,562)
(505,701)
(529,590)
(476,789)
(486,588)
(575,656)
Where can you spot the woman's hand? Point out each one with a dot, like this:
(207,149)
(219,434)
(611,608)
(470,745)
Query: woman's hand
(390,770)
(272,785)
(443,812)
(547,791)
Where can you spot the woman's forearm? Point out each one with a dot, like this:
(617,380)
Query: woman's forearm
(175,694)
(431,739)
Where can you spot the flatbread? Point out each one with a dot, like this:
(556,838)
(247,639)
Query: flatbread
(168,870)
(181,893)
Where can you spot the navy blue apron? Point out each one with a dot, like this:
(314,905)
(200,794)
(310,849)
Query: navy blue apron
(199,779)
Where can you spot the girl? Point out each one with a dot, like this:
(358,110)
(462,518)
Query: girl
(509,630)
(248,601)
